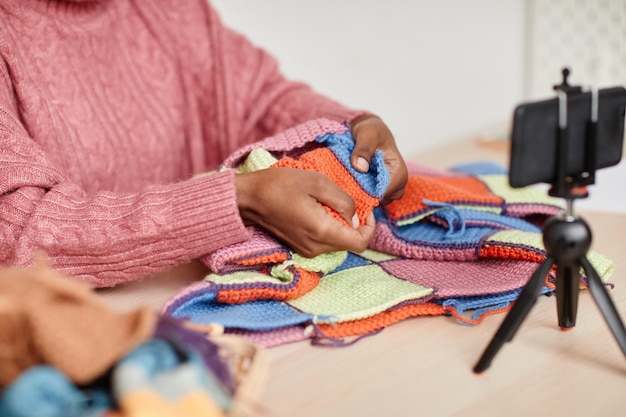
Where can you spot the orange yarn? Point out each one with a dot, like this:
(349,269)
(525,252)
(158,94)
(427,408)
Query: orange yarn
(324,160)
(491,251)
(441,189)
(273,258)
(381,320)
(308,280)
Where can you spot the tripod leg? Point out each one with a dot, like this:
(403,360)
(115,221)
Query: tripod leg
(605,304)
(516,316)
(567,286)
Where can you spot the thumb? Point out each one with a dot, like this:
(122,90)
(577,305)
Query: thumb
(366,138)
(362,153)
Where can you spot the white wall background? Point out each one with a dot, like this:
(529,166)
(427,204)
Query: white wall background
(435,70)
(587,35)
(590,37)
(440,70)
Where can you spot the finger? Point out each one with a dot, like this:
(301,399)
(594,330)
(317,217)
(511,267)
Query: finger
(366,143)
(396,195)
(330,194)
(368,228)
(354,240)
(369,134)
(398,180)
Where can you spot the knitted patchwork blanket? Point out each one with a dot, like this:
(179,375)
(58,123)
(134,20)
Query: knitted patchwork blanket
(460,242)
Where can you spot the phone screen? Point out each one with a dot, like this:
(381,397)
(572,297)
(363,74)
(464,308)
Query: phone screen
(535,134)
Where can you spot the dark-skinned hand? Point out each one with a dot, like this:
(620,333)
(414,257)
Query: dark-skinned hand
(371,134)
(288,203)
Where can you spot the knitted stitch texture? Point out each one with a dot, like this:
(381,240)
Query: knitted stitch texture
(107,109)
(366,189)
(262,268)
(456,243)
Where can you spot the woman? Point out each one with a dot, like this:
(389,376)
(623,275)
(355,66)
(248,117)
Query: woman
(108,108)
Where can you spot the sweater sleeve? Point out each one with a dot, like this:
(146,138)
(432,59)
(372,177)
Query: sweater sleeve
(258,100)
(103,238)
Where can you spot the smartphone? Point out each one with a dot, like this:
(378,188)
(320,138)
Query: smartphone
(535,134)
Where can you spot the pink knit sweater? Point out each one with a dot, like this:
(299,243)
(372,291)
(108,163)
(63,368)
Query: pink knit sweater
(107,109)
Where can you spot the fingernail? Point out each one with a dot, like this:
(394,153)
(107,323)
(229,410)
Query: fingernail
(362,164)
(355,221)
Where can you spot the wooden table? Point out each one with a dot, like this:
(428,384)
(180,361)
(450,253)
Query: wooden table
(423,366)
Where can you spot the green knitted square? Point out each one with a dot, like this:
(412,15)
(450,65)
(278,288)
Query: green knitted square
(356,293)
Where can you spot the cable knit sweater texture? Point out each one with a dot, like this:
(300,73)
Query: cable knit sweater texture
(107,109)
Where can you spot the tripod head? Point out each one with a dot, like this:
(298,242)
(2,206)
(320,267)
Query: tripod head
(565,85)
(574,186)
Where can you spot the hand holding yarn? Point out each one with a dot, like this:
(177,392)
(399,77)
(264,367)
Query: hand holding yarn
(372,134)
(289,203)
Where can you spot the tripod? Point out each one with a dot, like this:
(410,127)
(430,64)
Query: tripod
(567,238)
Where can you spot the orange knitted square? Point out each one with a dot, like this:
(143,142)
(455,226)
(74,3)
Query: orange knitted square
(457,190)
(324,160)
